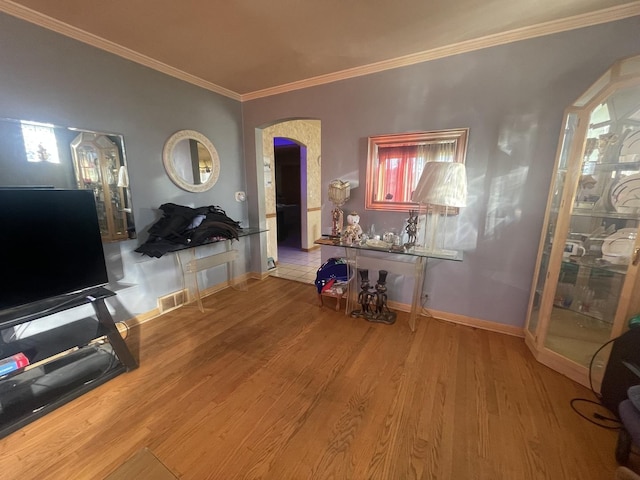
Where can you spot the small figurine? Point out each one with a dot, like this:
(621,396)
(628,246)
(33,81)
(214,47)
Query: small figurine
(412,228)
(364,297)
(353,231)
(373,303)
(381,289)
(587,189)
(382,313)
(336,228)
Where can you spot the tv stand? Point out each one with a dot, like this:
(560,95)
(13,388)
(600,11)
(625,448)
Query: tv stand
(64,362)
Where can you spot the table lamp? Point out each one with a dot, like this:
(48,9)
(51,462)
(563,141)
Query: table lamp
(442,184)
(339,193)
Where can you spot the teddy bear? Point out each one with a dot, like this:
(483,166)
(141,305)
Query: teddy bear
(353,231)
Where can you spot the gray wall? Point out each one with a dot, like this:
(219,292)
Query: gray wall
(47,77)
(512,98)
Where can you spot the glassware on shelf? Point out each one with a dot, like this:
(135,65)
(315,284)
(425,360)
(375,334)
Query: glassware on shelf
(586,299)
(583,288)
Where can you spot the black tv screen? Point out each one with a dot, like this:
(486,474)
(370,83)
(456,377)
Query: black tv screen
(50,244)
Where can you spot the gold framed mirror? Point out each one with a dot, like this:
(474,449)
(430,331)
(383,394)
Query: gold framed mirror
(395,163)
(191,161)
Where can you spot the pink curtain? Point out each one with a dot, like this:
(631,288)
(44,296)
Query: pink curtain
(397,173)
(400,168)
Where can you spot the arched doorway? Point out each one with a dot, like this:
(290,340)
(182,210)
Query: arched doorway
(289,159)
(302,135)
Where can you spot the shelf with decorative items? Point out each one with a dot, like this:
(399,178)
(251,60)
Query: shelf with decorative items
(397,259)
(582,293)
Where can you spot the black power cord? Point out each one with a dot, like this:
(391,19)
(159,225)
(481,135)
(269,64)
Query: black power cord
(598,396)
(595,415)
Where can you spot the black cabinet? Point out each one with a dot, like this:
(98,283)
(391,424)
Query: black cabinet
(63,362)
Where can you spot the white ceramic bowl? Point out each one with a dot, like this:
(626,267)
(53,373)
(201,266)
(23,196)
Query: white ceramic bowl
(617,248)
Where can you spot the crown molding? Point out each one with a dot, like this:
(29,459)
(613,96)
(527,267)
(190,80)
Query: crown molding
(67,30)
(539,30)
(579,21)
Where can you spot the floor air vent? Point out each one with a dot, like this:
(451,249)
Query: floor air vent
(171,301)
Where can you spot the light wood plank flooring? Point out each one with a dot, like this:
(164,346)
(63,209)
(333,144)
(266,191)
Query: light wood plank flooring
(265,384)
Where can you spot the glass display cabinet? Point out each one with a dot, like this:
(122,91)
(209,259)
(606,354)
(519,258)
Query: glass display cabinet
(99,168)
(586,284)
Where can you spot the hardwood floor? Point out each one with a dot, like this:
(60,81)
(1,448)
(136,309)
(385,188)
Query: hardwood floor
(265,384)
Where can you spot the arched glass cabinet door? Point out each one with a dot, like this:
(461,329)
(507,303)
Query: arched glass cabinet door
(99,168)
(586,283)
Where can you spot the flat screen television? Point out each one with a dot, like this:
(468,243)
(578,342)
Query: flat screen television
(50,245)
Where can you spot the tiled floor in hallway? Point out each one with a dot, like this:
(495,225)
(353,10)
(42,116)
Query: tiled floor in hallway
(295,264)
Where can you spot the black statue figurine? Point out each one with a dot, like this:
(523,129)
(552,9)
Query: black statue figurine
(373,303)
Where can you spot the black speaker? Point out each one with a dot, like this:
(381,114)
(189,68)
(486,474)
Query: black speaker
(623,370)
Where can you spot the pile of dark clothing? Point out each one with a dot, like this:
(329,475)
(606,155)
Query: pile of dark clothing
(182,227)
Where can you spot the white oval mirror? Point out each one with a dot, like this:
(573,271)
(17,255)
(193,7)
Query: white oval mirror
(191,161)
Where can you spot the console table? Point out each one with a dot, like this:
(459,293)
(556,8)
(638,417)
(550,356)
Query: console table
(191,264)
(418,272)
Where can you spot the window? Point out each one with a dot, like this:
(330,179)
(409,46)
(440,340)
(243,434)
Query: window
(40,142)
(395,163)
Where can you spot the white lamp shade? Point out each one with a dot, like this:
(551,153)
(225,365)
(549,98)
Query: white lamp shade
(442,183)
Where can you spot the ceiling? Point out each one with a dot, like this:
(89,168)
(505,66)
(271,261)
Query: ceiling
(248,48)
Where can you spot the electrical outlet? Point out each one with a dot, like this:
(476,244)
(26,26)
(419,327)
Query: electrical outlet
(241,196)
